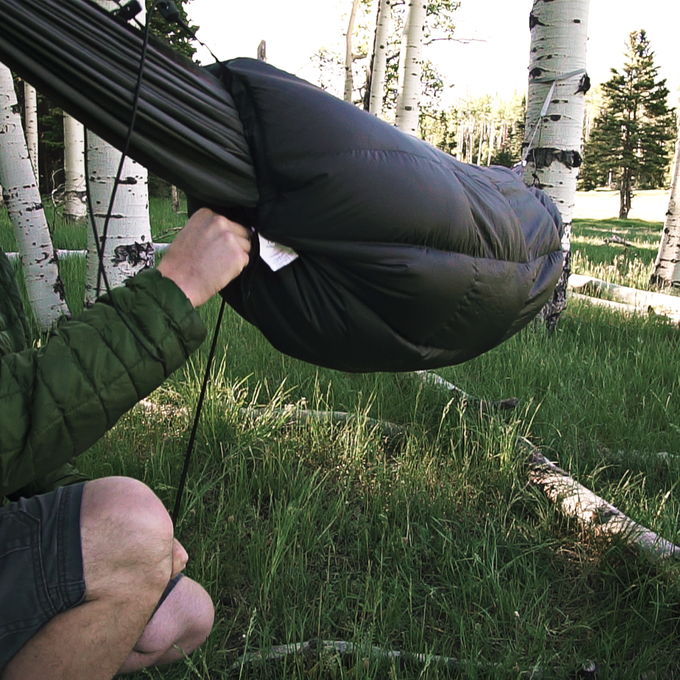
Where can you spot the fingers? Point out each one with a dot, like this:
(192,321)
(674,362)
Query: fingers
(206,255)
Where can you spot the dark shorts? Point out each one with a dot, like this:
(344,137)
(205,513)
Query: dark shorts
(41,564)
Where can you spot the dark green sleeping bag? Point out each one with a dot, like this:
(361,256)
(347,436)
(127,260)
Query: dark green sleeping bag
(393,256)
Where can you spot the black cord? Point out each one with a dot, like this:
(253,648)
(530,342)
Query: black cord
(126,148)
(169,11)
(199,407)
(100,243)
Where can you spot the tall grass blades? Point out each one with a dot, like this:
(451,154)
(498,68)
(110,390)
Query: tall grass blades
(434,542)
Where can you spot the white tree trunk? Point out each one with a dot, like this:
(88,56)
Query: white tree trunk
(379,64)
(31,114)
(555,111)
(667,266)
(75,188)
(175,198)
(408,99)
(492,137)
(262,51)
(481,141)
(24,206)
(128,247)
(349,56)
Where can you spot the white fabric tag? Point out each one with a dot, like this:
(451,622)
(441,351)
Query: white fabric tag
(276,255)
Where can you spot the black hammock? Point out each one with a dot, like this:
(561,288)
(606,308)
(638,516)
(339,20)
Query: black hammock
(393,256)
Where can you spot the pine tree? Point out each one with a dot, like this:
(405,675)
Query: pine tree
(629,142)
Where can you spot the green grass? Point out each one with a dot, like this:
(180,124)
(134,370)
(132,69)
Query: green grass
(624,265)
(437,545)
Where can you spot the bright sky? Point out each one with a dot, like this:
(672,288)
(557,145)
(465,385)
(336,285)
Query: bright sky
(494,62)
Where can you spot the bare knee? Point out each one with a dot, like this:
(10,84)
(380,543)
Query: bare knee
(184,620)
(200,619)
(127,538)
(179,627)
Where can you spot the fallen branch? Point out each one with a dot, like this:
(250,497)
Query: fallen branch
(351,652)
(63,254)
(164,410)
(622,307)
(643,301)
(592,511)
(615,239)
(483,405)
(303,416)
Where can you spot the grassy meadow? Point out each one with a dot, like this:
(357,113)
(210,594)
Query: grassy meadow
(436,543)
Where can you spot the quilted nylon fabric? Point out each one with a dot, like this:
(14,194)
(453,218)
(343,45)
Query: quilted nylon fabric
(407,259)
(56,401)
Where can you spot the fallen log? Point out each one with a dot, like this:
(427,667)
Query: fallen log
(483,405)
(350,652)
(63,254)
(389,430)
(643,301)
(591,511)
(615,239)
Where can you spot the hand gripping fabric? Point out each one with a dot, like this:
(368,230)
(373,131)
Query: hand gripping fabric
(407,259)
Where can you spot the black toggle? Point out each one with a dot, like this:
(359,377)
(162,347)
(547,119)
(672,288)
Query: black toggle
(169,10)
(128,11)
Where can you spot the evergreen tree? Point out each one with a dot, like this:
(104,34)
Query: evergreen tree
(629,142)
(172,34)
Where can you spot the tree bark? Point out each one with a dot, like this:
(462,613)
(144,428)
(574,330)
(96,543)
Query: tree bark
(75,187)
(593,512)
(642,301)
(492,139)
(349,56)
(31,114)
(554,118)
(625,195)
(127,247)
(408,100)
(24,206)
(174,191)
(667,266)
(379,59)
(262,51)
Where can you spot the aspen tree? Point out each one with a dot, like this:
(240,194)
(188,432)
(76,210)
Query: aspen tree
(31,118)
(379,61)
(75,187)
(128,247)
(411,68)
(554,119)
(25,210)
(349,56)
(667,266)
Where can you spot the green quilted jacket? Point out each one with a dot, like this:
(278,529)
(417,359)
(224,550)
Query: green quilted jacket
(56,401)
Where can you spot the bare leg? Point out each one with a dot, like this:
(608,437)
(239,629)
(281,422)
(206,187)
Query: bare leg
(181,625)
(127,543)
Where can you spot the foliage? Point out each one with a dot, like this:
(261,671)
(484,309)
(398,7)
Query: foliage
(623,265)
(439,25)
(483,130)
(629,141)
(172,34)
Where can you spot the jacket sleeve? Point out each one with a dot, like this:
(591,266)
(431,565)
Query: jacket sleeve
(56,401)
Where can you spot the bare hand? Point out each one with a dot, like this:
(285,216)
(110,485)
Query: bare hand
(206,255)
